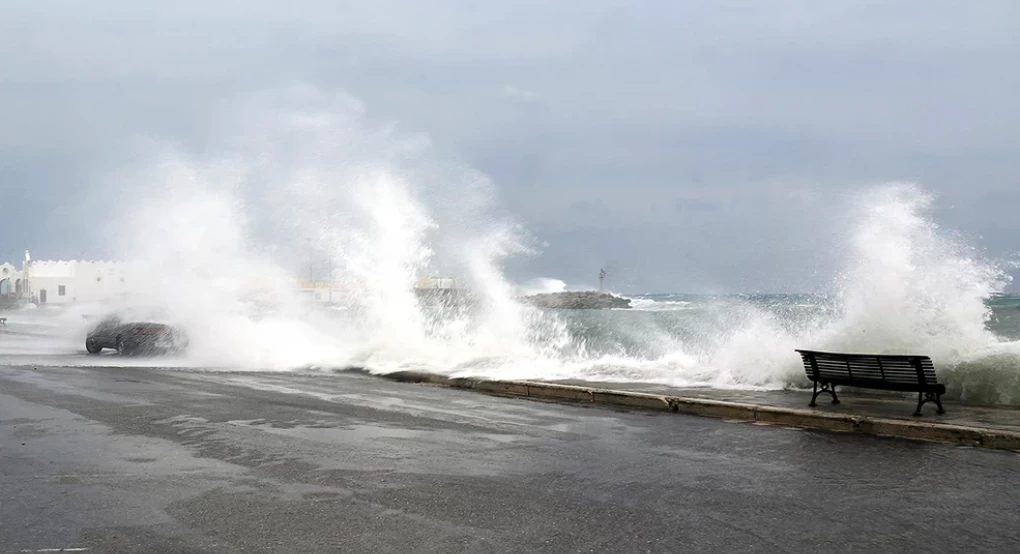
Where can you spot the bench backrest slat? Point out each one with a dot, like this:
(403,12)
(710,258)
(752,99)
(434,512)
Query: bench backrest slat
(889,368)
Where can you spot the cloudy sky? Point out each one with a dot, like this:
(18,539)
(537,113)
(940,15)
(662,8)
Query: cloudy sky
(685,146)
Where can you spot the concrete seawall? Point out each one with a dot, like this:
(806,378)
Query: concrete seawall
(922,430)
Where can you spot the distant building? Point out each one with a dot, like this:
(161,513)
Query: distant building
(10,282)
(52,282)
(436,283)
(69,282)
(341,289)
(62,282)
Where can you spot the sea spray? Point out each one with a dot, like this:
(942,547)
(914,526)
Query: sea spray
(909,285)
(301,186)
(316,186)
(185,233)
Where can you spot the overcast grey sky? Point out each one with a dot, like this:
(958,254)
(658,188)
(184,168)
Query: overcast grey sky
(688,146)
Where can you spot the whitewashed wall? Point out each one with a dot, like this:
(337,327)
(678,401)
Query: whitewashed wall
(83,281)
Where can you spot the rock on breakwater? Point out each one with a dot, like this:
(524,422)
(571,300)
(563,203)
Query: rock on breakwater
(581,300)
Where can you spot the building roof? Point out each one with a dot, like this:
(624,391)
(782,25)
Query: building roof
(68,269)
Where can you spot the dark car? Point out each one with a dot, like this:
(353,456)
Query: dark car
(136,331)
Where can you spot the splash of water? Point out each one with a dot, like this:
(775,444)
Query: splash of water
(315,192)
(316,188)
(907,287)
(541,285)
(910,285)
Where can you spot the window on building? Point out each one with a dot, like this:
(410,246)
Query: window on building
(61,290)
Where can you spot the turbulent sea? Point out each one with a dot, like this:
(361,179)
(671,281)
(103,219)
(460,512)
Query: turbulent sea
(301,176)
(684,340)
(738,341)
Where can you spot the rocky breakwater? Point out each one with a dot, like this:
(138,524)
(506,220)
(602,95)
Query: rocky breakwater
(582,300)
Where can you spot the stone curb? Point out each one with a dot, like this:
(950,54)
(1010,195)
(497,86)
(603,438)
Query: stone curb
(754,413)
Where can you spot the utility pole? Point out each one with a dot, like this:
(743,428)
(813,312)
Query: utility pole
(602,278)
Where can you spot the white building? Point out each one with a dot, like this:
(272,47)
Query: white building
(10,282)
(79,281)
(70,282)
(62,282)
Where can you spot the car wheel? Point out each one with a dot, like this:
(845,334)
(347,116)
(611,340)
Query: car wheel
(91,347)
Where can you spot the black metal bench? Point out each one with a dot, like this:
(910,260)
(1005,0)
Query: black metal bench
(873,371)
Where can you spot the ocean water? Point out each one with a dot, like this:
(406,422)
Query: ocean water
(300,181)
(747,341)
(684,340)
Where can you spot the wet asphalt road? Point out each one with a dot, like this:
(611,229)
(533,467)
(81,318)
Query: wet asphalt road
(150,460)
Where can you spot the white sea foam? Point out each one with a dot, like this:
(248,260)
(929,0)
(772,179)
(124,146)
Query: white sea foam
(653,305)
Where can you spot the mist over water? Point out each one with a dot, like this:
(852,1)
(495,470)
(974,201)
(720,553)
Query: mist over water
(299,184)
(313,190)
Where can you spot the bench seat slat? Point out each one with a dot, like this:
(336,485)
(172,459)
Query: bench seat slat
(870,371)
(888,385)
(895,372)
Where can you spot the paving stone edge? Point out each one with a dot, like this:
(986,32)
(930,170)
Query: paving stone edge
(738,411)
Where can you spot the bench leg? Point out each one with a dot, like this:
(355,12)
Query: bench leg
(826,387)
(925,397)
